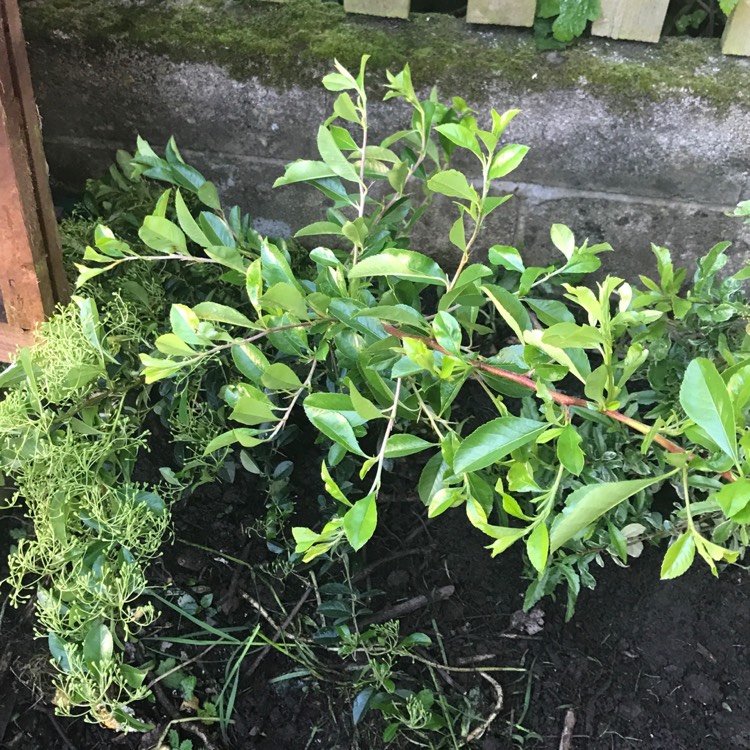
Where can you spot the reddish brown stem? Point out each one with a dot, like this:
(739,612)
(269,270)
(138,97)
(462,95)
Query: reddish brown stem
(560,398)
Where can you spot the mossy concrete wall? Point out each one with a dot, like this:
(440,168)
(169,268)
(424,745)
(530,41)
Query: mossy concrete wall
(630,143)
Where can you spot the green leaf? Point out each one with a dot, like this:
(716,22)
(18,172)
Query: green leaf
(169,343)
(304,170)
(493,441)
(734,497)
(511,310)
(334,426)
(452,183)
(679,557)
(249,360)
(188,223)
(460,135)
(569,451)
(162,235)
(507,257)
(563,240)
(286,297)
(253,408)
(445,498)
(319,227)
(447,332)
(570,335)
(573,17)
(279,376)
(537,547)
(331,487)
(333,157)
(705,399)
(227,256)
(98,646)
(360,521)
(209,196)
(215,312)
(588,503)
(404,264)
(405,445)
(506,160)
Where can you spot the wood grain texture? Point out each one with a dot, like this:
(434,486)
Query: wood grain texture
(502,12)
(736,39)
(637,20)
(387,8)
(32,279)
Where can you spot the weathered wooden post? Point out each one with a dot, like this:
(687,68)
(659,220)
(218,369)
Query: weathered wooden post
(638,20)
(32,278)
(387,8)
(736,39)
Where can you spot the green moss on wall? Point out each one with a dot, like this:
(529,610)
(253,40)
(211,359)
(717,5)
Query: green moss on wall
(293,43)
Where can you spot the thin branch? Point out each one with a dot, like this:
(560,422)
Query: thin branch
(559,398)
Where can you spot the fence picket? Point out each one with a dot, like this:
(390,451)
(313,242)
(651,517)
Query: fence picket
(736,39)
(387,8)
(502,12)
(638,20)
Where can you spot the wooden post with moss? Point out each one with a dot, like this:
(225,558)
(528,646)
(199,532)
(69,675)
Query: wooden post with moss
(637,20)
(736,39)
(32,278)
(387,8)
(501,12)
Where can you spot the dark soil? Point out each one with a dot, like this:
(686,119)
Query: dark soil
(644,664)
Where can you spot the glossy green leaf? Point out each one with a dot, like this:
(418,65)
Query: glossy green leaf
(588,503)
(511,310)
(563,240)
(679,557)
(506,160)
(279,376)
(405,445)
(360,521)
(162,235)
(452,183)
(98,646)
(705,399)
(403,264)
(537,547)
(215,312)
(569,451)
(493,441)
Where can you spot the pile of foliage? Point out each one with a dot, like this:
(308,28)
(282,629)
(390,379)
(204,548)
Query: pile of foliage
(599,395)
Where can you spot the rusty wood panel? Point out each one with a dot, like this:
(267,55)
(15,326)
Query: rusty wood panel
(637,20)
(736,39)
(502,12)
(35,150)
(11,339)
(32,278)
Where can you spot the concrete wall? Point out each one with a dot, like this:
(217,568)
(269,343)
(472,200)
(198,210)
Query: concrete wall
(659,162)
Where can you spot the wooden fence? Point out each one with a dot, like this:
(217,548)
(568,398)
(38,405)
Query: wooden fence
(638,20)
(32,278)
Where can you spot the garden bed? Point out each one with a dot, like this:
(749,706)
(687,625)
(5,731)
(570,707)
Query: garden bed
(643,664)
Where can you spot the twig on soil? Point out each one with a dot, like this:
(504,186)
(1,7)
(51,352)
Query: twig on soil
(261,610)
(229,600)
(280,630)
(567,733)
(410,605)
(384,560)
(56,724)
(175,718)
(485,725)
